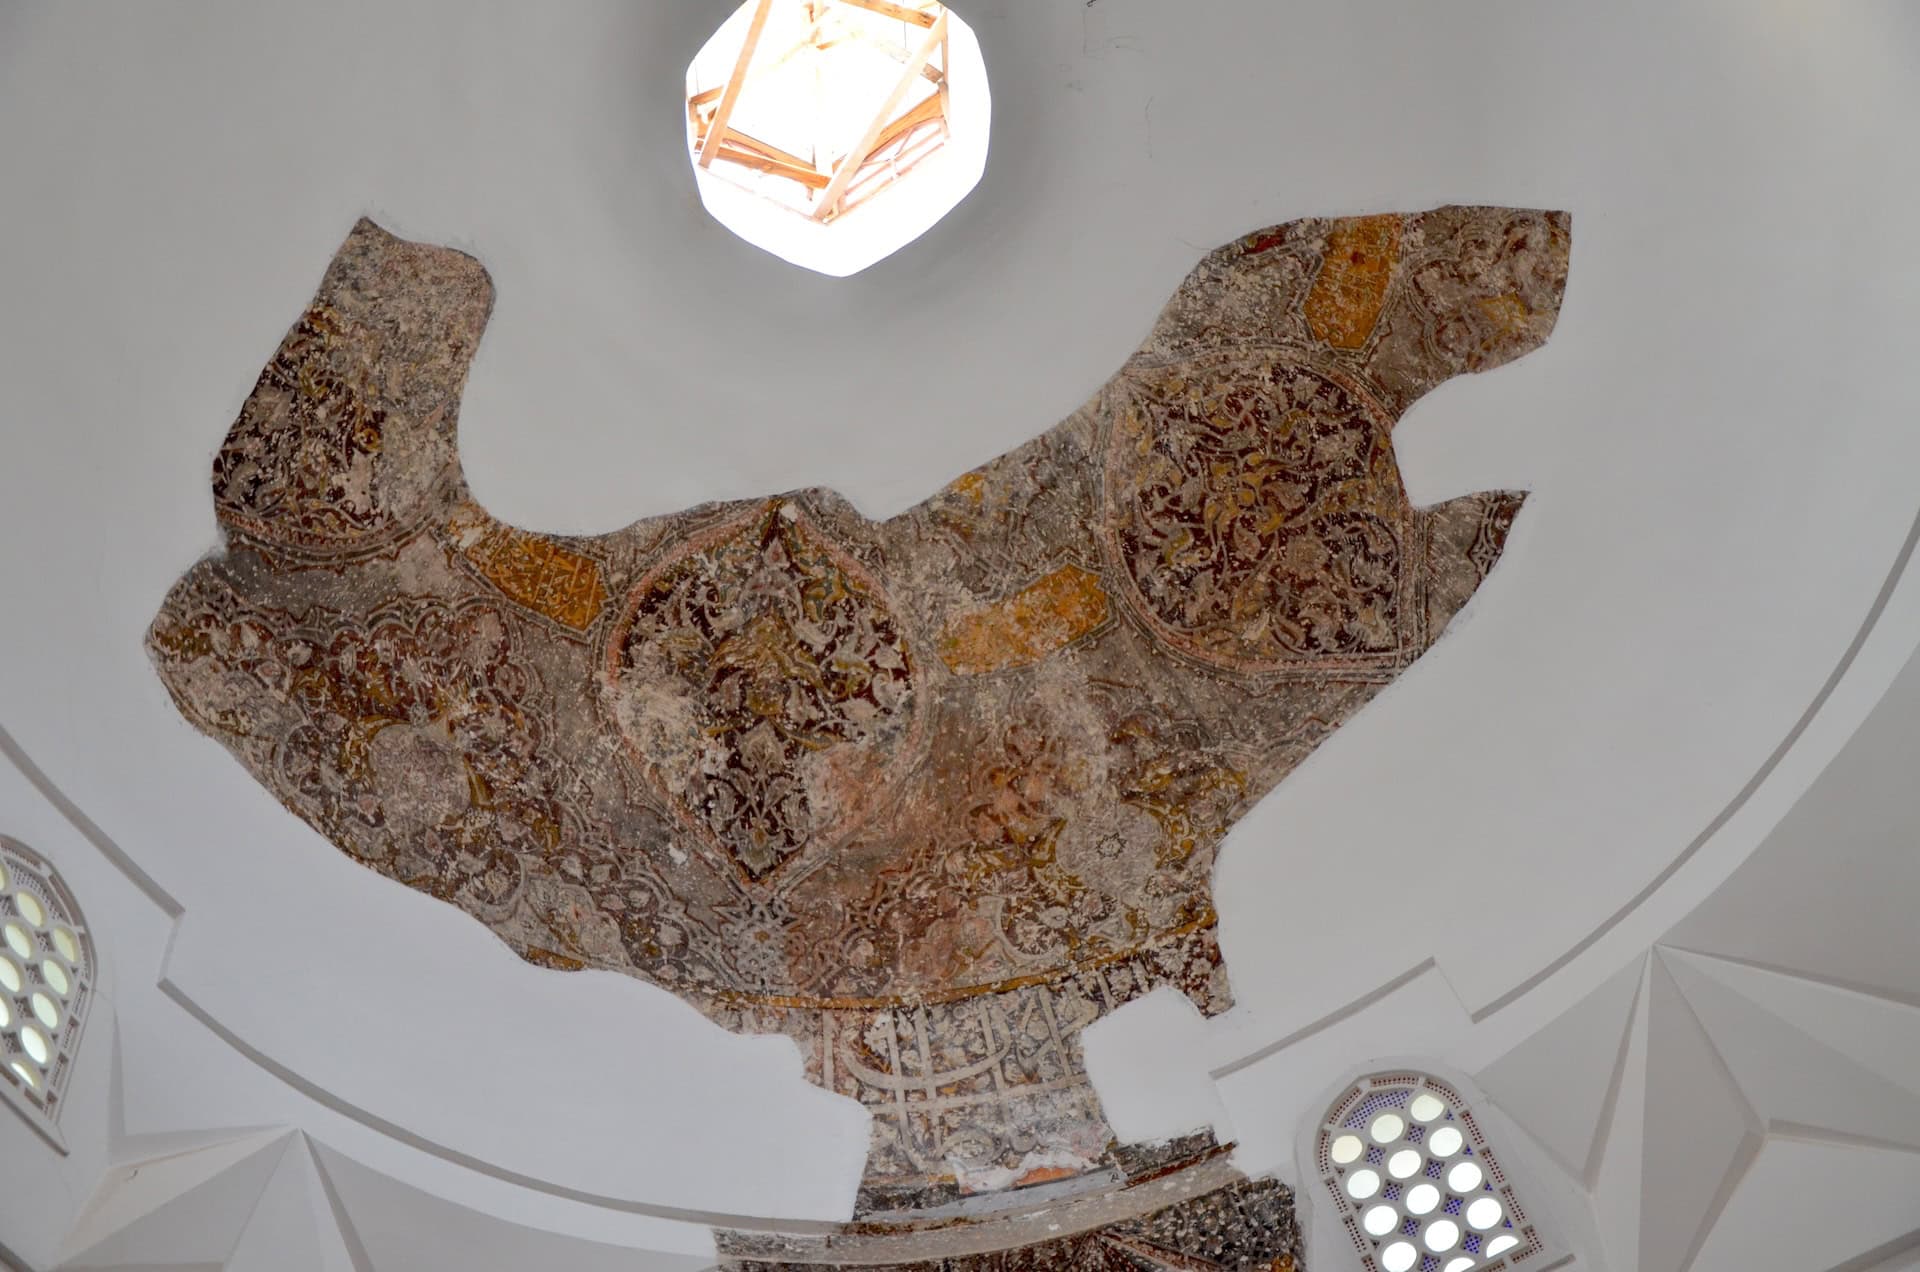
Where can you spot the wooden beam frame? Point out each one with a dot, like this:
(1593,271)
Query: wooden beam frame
(717,130)
(887,148)
(946,102)
(933,74)
(843,175)
(925,113)
(741,141)
(910,140)
(733,152)
(886,8)
(897,168)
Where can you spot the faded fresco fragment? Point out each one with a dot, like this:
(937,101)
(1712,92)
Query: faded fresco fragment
(930,794)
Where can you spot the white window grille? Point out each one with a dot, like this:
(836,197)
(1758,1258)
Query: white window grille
(47,973)
(1417,1186)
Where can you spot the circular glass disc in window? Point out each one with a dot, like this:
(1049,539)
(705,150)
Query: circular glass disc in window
(30,908)
(1445,1142)
(6,1014)
(1426,1107)
(1399,1256)
(3,875)
(1380,1220)
(66,944)
(27,1075)
(10,978)
(1346,1149)
(1441,1234)
(18,940)
(1404,1163)
(1464,1178)
(43,1008)
(34,1043)
(1460,1264)
(56,976)
(1501,1244)
(1387,1128)
(1484,1213)
(1422,1199)
(1362,1184)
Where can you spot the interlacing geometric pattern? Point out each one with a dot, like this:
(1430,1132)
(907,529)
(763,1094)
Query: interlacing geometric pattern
(1417,1185)
(46,978)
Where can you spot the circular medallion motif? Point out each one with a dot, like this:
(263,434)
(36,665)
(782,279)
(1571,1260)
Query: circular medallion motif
(764,686)
(1256,513)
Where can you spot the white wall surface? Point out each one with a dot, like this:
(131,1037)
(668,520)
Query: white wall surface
(1719,438)
(1765,1108)
(1746,1094)
(42,1189)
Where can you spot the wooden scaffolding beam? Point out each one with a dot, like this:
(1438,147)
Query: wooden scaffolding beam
(843,175)
(917,17)
(717,130)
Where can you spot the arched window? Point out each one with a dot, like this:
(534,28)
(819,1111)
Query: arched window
(1417,1185)
(47,972)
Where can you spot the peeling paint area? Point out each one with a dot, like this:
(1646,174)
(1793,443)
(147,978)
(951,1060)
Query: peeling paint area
(928,795)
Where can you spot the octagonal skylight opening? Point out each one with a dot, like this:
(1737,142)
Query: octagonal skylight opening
(832,133)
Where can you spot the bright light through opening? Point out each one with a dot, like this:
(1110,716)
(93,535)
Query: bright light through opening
(832,133)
